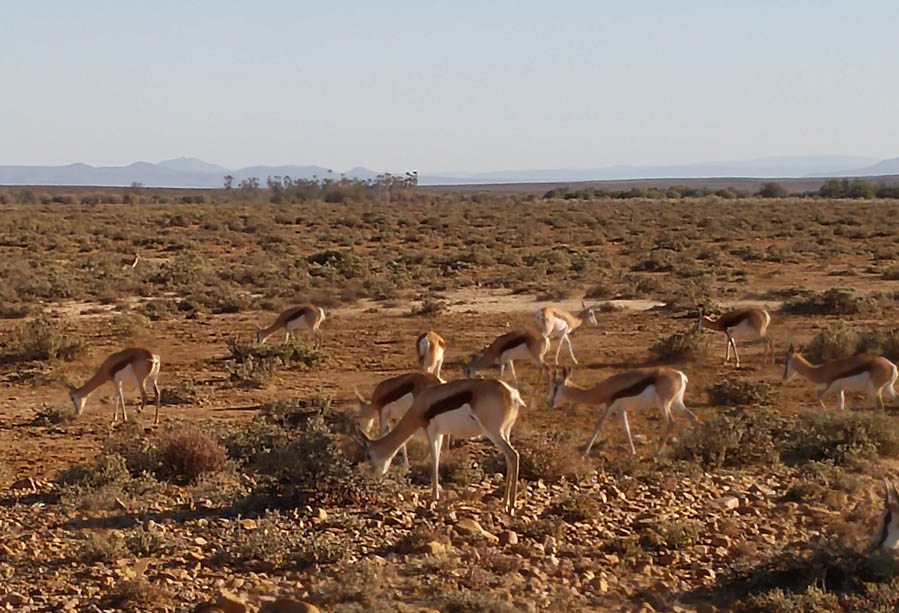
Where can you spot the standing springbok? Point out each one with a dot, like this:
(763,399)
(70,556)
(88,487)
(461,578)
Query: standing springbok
(553,322)
(130,263)
(639,389)
(518,345)
(747,324)
(464,408)
(135,365)
(430,348)
(860,373)
(390,401)
(309,315)
(886,537)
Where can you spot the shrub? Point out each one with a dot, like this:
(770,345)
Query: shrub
(429,306)
(189,453)
(42,340)
(821,576)
(52,416)
(842,340)
(549,456)
(681,346)
(835,301)
(103,547)
(582,507)
(840,438)
(734,438)
(185,392)
(772,190)
(739,392)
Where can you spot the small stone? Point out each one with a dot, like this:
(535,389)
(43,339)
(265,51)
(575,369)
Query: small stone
(286,605)
(706,573)
(229,602)
(248,524)
(600,585)
(471,526)
(201,541)
(729,502)
(26,483)
(509,537)
(720,540)
(14,598)
(434,548)
(319,515)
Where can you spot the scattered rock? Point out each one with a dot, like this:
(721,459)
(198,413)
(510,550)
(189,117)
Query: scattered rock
(286,605)
(230,603)
(508,537)
(434,548)
(470,526)
(729,502)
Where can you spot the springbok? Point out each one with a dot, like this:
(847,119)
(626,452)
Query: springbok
(860,373)
(430,349)
(747,324)
(130,263)
(464,408)
(886,537)
(661,387)
(518,345)
(390,401)
(309,316)
(553,322)
(136,365)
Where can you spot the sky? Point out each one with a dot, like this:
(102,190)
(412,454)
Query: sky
(446,86)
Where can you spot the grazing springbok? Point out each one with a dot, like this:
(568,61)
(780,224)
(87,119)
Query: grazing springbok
(518,345)
(309,316)
(430,348)
(747,324)
(639,389)
(860,373)
(553,322)
(390,401)
(886,537)
(130,263)
(465,408)
(135,365)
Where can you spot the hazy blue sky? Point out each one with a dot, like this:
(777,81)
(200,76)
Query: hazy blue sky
(458,85)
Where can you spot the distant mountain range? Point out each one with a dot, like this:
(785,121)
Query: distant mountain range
(191,172)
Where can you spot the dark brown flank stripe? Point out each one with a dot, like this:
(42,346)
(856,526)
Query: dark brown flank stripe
(397,393)
(857,370)
(120,365)
(731,320)
(450,403)
(512,343)
(299,313)
(886,526)
(634,390)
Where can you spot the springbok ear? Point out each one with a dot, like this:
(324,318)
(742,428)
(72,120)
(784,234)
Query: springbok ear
(583,304)
(566,373)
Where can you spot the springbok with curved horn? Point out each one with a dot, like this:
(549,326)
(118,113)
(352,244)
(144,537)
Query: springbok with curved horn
(464,408)
(553,322)
(518,345)
(430,348)
(130,263)
(860,373)
(886,537)
(747,324)
(136,365)
(309,316)
(661,387)
(390,401)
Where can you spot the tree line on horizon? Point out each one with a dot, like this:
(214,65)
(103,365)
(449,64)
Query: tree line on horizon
(831,188)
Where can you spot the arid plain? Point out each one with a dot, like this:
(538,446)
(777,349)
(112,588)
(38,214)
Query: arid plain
(252,484)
